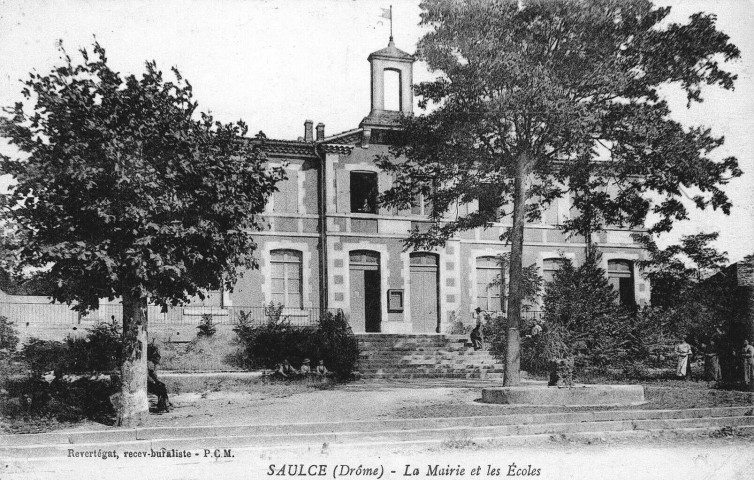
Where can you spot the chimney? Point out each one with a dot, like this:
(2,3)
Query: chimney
(308,137)
(320,131)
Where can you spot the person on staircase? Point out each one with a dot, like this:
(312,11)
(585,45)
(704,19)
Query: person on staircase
(476,336)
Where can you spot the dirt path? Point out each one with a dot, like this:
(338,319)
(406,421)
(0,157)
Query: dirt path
(339,404)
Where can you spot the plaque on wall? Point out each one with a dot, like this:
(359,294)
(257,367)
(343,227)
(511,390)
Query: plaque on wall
(395,300)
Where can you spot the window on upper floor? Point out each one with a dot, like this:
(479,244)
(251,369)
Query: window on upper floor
(549,267)
(620,275)
(422,205)
(488,297)
(286,278)
(489,200)
(364,192)
(285,200)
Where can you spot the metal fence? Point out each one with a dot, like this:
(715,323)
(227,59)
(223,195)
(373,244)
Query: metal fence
(526,315)
(57,314)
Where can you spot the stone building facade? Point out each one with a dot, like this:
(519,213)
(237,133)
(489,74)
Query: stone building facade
(330,245)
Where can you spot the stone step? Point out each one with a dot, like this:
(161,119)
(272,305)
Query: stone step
(418,375)
(394,431)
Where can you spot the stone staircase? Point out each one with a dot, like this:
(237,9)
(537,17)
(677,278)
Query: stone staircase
(424,356)
(508,430)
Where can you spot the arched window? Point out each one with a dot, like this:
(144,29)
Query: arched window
(286,278)
(392,90)
(620,274)
(488,297)
(549,267)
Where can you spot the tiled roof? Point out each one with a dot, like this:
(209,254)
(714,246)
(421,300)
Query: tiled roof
(392,52)
(286,147)
(337,148)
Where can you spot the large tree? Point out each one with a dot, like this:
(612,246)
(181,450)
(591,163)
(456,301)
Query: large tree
(124,190)
(561,97)
(676,271)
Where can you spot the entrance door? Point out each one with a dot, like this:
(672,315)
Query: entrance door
(424,288)
(366,309)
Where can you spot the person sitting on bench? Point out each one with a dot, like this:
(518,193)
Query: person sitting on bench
(154,385)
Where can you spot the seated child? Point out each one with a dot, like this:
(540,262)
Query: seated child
(285,371)
(321,370)
(305,369)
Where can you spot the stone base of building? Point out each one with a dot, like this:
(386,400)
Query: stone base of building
(579,395)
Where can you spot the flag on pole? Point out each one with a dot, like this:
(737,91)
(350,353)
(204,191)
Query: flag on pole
(388,13)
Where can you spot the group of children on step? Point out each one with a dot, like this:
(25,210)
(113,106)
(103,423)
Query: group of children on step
(286,371)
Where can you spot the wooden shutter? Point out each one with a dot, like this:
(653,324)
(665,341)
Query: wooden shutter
(384,182)
(292,192)
(343,189)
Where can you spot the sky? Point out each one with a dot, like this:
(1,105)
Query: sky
(276,63)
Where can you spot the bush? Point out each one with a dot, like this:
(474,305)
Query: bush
(8,337)
(62,400)
(265,346)
(99,351)
(44,355)
(536,351)
(336,344)
(269,344)
(206,326)
(67,399)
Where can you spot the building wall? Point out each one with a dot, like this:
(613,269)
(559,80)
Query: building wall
(384,233)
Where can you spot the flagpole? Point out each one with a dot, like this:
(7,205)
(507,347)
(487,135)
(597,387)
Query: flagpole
(391,23)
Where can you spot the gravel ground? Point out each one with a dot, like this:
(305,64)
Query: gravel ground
(366,400)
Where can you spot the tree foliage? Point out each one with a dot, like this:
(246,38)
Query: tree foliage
(684,301)
(123,186)
(567,82)
(562,97)
(126,190)
(674,272)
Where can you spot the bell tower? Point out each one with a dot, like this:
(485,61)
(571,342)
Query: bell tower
(390,67)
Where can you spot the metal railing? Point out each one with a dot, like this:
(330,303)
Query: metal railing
(526,315)
(60,314)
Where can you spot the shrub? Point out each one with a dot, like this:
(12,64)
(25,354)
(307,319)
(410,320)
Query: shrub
(8,337)
(99,351)
(206,326)
(336,344)
(265,346)
(62,400)
(536,351)
(44,355)
(268,344)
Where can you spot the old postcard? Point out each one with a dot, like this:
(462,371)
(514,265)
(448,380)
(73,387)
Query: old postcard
(347,239)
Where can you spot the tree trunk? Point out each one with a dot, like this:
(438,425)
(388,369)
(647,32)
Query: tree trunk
(515,291)
(132,406)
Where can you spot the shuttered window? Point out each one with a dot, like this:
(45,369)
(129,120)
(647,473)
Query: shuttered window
(286,278)
(285,200)
(488,297)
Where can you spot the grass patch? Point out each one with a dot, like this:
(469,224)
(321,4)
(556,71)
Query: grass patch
(220,352)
